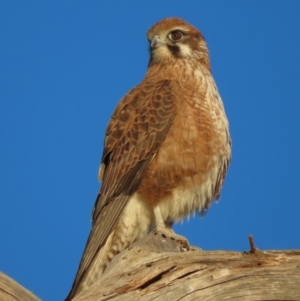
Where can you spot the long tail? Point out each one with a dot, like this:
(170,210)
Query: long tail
(102,246)
(95,270)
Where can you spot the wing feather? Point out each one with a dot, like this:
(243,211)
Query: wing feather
(135,133)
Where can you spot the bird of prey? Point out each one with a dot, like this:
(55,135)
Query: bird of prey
(166,150)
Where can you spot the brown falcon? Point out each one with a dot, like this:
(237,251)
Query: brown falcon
(166,152)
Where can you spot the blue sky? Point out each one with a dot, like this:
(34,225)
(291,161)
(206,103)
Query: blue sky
(64,65)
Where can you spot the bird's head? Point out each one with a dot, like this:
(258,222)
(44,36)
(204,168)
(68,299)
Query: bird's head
(173,38)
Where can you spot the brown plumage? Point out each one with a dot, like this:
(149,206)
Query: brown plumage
(166,153)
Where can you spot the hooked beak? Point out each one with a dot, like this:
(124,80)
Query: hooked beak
(157,42)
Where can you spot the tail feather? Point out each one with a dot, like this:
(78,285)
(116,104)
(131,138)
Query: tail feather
(95,271)
(134,223)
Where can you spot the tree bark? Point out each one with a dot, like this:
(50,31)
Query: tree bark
(155,268)
(10,290)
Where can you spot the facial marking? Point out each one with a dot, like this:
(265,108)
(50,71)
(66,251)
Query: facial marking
(175,50)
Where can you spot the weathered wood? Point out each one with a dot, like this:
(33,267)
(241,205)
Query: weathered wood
(10,290)
(155,269)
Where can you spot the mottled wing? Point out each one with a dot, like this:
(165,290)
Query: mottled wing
(135,133)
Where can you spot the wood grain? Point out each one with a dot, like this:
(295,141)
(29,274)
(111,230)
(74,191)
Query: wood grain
(156,268)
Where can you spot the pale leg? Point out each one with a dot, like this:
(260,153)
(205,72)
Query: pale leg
(166,229)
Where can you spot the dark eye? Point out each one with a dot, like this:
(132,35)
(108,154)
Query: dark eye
(175,35)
